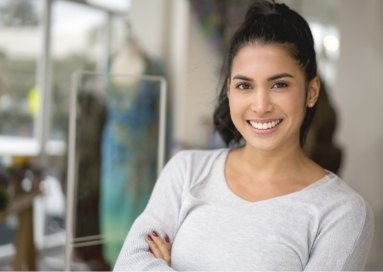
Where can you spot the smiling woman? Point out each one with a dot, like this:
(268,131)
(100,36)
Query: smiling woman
(267,95)
(260,204)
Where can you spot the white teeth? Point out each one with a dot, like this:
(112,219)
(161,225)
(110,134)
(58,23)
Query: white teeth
(267,125)
(264,126)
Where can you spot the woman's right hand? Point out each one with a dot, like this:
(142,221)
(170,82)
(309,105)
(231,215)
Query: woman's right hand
(160,247)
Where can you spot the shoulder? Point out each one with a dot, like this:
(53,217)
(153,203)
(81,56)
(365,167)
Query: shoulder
(340,202)
(200,153)
(196,157)
(194,164)
(338,192)
(332,190)
(344,229)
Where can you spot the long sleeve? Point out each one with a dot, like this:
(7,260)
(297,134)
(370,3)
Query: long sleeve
(344,239)
(161,214)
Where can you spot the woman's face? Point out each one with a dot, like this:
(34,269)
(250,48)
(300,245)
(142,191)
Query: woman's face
(267,96)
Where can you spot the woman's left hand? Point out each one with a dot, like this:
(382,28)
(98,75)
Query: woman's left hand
(160,247)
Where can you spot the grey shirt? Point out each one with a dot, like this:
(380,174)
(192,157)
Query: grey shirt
(324,226)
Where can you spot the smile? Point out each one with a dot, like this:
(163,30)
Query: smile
(265,125)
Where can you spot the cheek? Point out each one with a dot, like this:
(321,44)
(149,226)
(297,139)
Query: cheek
(236,105)
(294,103)
(297,110)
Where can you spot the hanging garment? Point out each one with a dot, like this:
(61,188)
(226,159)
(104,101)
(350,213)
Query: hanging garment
(129,157)
(90,124)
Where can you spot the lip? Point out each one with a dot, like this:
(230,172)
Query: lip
(264,120)
(264,131)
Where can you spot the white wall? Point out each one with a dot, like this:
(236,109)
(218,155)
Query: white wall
(200,87)
(192,66)
(149,25)
(359,95)
(168,29)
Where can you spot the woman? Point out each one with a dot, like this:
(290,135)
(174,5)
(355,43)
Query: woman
(261,204)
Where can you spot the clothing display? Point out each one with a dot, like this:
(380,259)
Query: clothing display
(324,226)
(90,123)
(129,157)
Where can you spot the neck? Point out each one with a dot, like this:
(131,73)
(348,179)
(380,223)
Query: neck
(275,163)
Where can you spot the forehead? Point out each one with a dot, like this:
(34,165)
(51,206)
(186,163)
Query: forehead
(265,58)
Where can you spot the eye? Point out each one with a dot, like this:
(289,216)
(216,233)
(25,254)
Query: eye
(279,85)
(242,86)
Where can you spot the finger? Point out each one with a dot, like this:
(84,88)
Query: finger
(167,242)
(153,247)
(162,245)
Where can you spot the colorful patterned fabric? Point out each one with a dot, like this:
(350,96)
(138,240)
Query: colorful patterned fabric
(129,158)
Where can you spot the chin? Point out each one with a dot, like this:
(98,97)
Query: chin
(261,145)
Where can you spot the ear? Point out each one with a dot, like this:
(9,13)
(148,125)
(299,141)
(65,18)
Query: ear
(313,92)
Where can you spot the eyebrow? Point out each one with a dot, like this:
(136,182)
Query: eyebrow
(278,76)
(274,77)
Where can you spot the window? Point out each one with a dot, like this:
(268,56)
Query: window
(20,42)
(78,43)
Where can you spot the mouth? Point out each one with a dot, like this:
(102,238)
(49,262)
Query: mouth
(264,125)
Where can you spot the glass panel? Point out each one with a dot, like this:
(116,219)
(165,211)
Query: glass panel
(117,137)
(19,103)
(76,45)
(20,42)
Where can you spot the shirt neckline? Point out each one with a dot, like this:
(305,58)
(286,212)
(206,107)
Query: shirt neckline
(318,183)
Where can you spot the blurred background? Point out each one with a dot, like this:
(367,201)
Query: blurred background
(106,52)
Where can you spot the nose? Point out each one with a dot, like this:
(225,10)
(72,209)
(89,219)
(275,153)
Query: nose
(261,102)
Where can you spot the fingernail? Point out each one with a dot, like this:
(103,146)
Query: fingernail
(167,238)
(149,238)
(155,233)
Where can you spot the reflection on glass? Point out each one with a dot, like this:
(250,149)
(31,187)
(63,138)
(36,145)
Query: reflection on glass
(116,151)
(77,44)
(19,47)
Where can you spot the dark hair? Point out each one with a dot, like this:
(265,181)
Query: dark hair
(268,23)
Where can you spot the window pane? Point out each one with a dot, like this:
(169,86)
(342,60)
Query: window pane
(76,45)
(20,42)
